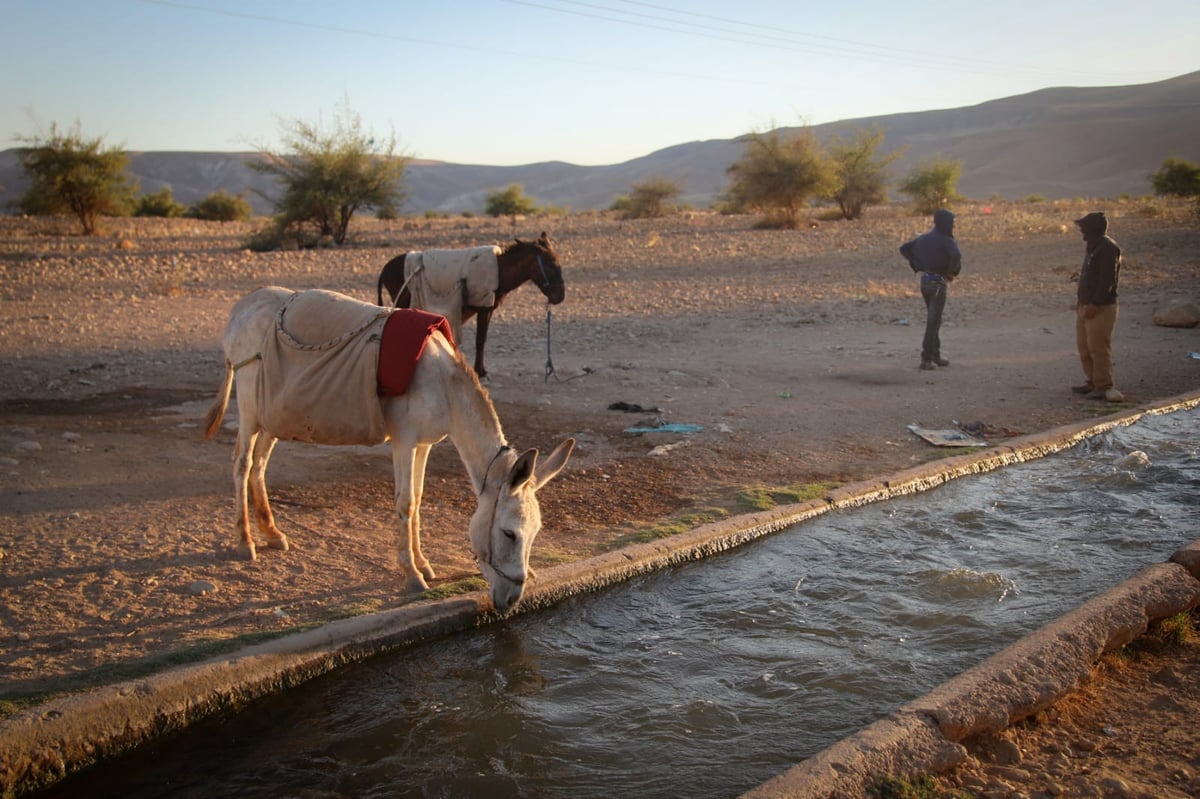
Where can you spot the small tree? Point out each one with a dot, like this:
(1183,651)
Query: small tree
(328,175)
(70,174)
(221,206)
(1177,177)
(933,184)
(510,201)
(859,172)
(650,198)
(161,203)
(779,172)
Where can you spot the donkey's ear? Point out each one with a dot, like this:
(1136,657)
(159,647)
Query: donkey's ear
(523,470)
(544,239)
(551,465)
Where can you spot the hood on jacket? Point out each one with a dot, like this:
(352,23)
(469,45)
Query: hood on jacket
(943,222)
(1093,226)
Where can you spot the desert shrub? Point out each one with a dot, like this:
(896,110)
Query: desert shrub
(859,171)
(71,174)
(328,175)
(279,234)
(648,199)
(932,184)
(1177,177)
(264,239)
(509,201)
(1034,198)
(161,204)
(777,175)
(221,206)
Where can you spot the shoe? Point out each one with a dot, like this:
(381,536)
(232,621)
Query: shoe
(1109,394)
(941,361)
(928,365)
(1086,388)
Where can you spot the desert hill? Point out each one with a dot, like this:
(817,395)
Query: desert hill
(1057,143)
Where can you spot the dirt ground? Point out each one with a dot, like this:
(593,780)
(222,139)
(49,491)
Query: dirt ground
(795,351)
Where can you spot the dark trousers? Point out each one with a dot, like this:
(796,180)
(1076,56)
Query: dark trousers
(934,292)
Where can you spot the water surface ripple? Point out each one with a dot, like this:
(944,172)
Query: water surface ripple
(707,679)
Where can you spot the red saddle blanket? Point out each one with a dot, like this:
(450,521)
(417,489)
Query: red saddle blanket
(404,336)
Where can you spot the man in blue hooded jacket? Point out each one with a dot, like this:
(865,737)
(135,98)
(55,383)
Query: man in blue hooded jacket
(936,258)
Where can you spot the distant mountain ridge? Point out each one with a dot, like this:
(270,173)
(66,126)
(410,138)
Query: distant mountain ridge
(1057,143)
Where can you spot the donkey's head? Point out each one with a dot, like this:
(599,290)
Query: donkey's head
(508,518)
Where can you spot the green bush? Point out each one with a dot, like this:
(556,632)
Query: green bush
(70,174)
(1177,177)
(859,171)
(510,201)
(778,174)
(221,206)
(933,184)
(161,203)
(264,239)
(648,199)
(279,234)
(328,175)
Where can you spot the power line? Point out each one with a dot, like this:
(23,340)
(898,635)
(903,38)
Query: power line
(844,48)
(274,20)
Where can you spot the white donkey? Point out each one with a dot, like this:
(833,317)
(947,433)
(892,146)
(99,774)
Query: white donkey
(444,398)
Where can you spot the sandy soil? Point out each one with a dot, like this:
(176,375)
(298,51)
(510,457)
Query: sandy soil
(796,351)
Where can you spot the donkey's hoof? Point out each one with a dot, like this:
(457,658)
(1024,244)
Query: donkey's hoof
(415,585)
(279,542)
(427,572)
(246,551)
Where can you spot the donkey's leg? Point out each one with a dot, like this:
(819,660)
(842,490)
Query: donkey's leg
(263,445)
(420,459)
(242,457)
(403,456)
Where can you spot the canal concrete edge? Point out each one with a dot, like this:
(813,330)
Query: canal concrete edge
(44,744)
(925,736)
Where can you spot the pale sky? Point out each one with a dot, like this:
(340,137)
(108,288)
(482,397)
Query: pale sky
(506,82)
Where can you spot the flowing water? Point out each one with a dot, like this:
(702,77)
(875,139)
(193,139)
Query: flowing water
(707,679)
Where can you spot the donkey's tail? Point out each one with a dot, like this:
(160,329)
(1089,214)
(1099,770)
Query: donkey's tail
(212,419)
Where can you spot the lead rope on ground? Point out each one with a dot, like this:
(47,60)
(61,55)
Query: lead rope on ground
(549,360)
(587,370)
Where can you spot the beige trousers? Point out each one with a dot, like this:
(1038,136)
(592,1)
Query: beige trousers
(1093,338)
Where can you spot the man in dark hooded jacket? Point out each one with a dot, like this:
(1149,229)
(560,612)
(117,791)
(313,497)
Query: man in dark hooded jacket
(935,257)
(1096,308)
